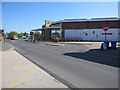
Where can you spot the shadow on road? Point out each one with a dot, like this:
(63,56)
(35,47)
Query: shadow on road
(100,57)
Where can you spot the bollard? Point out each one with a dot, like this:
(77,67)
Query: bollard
(104,46)
(113,45)
(107,44)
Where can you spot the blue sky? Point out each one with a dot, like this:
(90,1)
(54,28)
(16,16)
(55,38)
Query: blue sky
(16,15)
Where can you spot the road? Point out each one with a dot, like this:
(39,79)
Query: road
(4,47)
(72,64)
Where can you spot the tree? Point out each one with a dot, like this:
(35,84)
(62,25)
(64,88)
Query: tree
(13,33)
(7,35)
(20,35)
(37,34)
(25,34)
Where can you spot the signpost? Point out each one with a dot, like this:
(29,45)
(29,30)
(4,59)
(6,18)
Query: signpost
(93,35)
(93,32)
(105,28)
(105,44)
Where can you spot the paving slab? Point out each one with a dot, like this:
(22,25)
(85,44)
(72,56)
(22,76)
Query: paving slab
(0,65)
(19,72)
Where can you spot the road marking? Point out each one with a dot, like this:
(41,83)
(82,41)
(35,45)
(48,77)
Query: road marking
(21,77)
(30,69)
(9,60)
(12,66)
(16,82)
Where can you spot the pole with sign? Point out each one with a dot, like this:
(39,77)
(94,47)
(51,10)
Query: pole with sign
(93,35)
(105,28)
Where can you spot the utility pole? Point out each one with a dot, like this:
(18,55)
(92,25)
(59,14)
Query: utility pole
(29,25)
(1,14)
(105,37)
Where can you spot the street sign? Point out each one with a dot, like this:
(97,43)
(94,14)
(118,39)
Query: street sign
(105,28)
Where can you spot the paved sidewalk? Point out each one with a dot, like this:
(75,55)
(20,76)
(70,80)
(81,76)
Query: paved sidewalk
(53,44)
(18,72)
(96,48)
(94,45)
(4,46)
(0,65)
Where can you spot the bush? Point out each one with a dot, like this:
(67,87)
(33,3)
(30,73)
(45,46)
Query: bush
(37,35)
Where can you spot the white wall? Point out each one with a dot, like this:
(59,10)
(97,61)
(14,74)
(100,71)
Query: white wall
(80,34)
(72,34)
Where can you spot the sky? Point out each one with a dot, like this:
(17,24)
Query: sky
(17,16)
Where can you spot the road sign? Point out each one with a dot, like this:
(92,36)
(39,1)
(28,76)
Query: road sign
(105,28)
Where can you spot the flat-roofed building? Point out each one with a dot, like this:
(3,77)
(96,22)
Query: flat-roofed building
(84,29)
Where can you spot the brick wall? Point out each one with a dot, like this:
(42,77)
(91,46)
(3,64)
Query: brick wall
(90,25)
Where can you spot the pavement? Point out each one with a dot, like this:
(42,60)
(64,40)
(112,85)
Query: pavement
(72,64)
(0,66)
(4,47)
(95,47)
(53,44)
(19,72)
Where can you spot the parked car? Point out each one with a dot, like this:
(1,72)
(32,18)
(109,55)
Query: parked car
(24,37)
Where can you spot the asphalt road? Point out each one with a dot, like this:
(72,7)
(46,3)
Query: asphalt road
(4,46)
(73,65)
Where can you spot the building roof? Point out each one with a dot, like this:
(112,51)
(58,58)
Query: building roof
(76,20)
(84,20)
(39,29)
